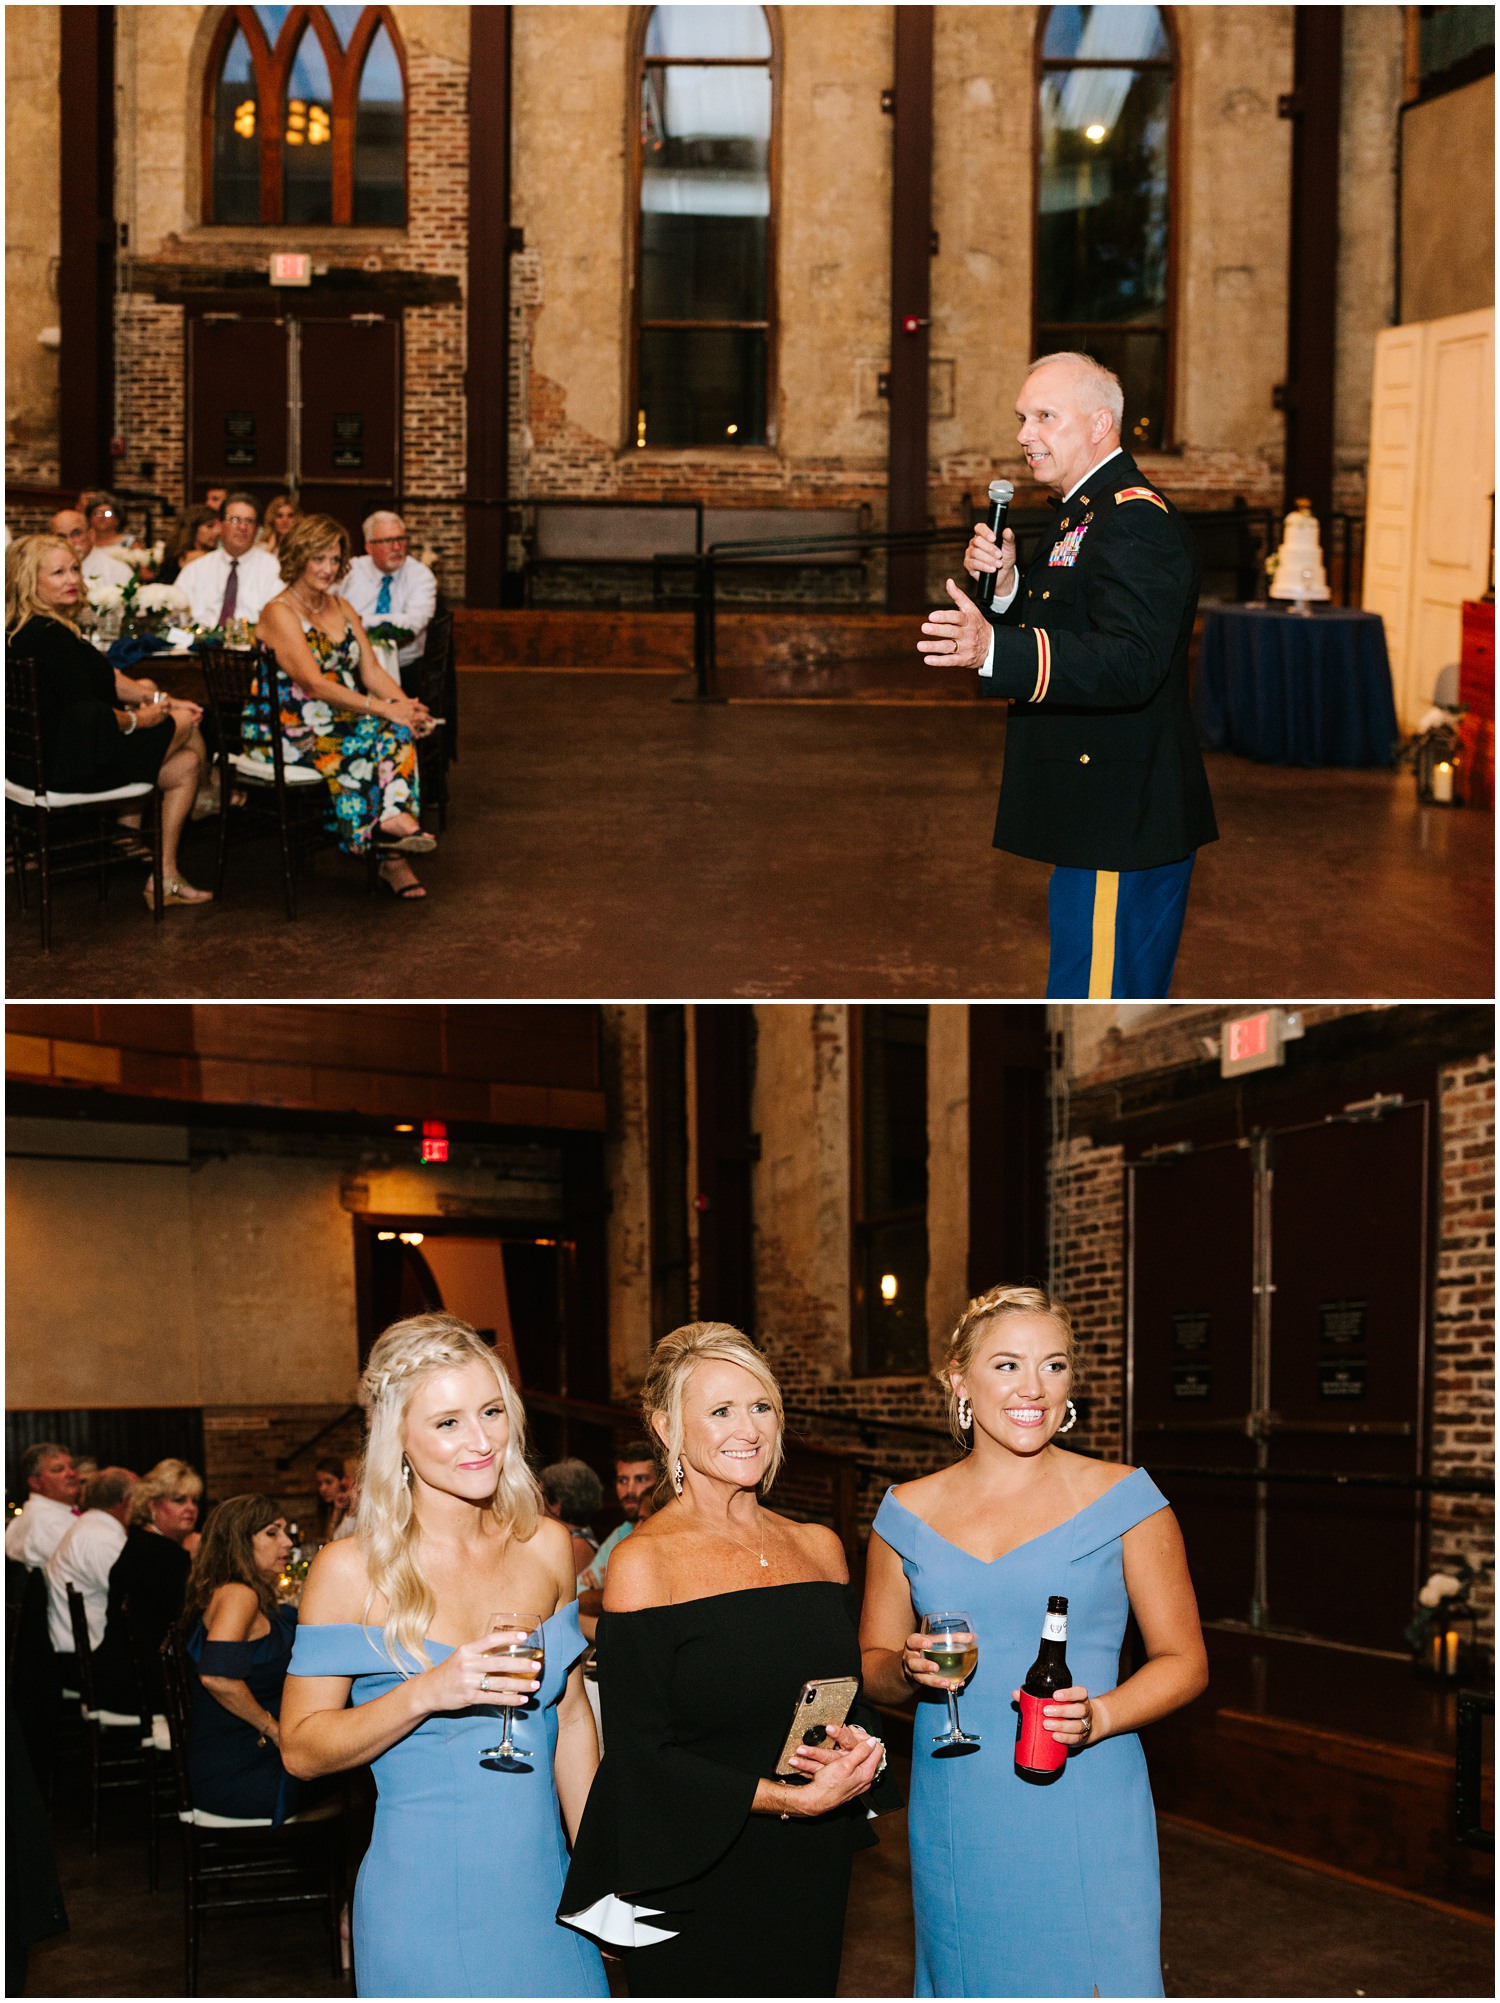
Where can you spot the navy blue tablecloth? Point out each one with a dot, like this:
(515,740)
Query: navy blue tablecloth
(1294,691)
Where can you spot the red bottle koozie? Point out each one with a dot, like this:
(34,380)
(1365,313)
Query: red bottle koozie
(1036,1749)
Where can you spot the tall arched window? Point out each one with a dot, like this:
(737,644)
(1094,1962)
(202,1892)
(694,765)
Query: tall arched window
(704,350)
(1104,202)
(304,117)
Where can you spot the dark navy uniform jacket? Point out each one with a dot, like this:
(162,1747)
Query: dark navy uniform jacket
(1102,768)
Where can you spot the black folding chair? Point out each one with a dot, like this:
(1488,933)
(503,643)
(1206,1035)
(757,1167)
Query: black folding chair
(117,1756)
(242,1864)
(431,679)
(280,794)
(64,834)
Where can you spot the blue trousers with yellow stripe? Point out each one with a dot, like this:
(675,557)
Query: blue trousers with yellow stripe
(1115,932)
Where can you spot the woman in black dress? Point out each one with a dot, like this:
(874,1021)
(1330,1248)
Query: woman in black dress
(719,1879)
(99,728)
(147,1586)
(239,1640)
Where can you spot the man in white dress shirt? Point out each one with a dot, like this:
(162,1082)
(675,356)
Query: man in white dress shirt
(50,1508)
(99,567)
(386,583)
(86,1556)
(236,580)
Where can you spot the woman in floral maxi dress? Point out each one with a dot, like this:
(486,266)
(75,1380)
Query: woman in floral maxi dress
(340,711)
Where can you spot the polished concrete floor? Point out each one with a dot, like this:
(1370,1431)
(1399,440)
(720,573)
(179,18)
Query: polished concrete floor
(1234,1923)
(604,842)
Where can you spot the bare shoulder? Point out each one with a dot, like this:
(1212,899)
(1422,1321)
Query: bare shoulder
(1092,1479)
(337,1584)
(927,1492)
(821,1547)
(637,1574)
(553,1544)
(230,1614)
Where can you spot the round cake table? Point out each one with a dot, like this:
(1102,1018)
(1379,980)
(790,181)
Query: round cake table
(1289,690)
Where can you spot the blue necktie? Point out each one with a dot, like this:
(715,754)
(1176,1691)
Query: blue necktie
(383,602)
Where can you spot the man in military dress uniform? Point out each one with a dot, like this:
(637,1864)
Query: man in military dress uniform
(1103,777)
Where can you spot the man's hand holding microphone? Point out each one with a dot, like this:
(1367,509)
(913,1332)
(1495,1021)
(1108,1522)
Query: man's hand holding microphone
(961,637)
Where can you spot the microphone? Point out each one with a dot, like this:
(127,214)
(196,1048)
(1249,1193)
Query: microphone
(1002,493)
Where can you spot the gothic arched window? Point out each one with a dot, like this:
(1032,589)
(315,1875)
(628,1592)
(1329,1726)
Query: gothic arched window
(304,117)
(704,313)
(1104,201)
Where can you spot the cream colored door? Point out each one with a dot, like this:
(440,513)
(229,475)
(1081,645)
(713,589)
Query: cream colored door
(1431,474)
(1450,552)
(1391,491)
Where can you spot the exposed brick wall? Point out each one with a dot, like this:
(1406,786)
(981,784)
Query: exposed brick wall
(1088,1209)
(151,394)
(1463,1324)
(241,1444)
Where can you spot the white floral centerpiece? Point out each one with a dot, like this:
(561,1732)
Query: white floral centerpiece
(387,639)
(155,607)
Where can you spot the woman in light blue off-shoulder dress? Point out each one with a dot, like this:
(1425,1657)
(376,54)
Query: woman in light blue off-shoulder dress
(393,1667)
(1022,1889)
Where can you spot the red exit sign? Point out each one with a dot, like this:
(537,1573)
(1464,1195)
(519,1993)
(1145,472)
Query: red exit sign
(291,267)
(434,1141)
(1254,1042)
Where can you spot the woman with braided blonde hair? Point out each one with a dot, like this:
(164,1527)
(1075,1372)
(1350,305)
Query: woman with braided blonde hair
(1016,1520)
(458,1889)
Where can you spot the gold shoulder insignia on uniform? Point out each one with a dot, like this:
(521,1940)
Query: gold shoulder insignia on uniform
(1140,494)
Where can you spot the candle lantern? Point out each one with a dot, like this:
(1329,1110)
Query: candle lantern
(1437,767)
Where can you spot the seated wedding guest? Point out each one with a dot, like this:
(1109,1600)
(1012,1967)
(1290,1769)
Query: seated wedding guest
(85,1557)
(635,1477)
(713,1877)
(238,1638)
(340,710)
(281,512)
(51,1506)
(348,1521)
(235,580)
(388,584)
(151,1573)
(398,1667)
(328,1479)
(106,520)
(99,567)
(196,534)
(573,1493)
(214,499)
(1014,1520)
(100,729)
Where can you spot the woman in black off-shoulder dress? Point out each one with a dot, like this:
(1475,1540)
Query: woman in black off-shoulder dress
(713,1878)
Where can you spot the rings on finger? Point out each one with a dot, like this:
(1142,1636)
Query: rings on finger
(484,1682)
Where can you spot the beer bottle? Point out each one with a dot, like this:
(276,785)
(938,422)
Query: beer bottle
(1040,1757)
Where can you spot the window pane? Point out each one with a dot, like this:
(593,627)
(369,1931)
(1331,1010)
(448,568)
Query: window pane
(1140,361)
(344,20)
(893,1188)
(702,386)
(307,135)
(1102,227)
(705,193)
(1106,34)
(380,138)
(894,1288)
(236,192)
(709,31)
(272,19)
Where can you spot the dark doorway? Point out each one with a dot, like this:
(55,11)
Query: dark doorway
(306,404)
(1278,1325)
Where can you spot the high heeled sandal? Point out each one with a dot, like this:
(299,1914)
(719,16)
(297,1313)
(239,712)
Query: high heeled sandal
(418,842)
(172,888)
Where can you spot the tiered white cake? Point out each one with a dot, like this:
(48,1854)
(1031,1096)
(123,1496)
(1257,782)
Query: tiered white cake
(1299,561)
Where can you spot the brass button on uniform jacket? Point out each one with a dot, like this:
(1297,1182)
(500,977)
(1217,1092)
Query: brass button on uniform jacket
(1102,767)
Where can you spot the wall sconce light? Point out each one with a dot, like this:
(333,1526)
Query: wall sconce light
(411,1237)
(890,1286)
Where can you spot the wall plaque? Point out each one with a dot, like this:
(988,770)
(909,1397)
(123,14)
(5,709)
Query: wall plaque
(1190,1331)
(1192,1380)
(1341,1324)
(1342,1380)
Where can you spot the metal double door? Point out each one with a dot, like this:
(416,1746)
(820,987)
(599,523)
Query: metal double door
(1277,1323)
(308,404)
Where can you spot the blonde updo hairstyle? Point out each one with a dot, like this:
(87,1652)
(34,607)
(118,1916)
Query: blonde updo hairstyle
(386,1522)
(973,1325)
(166,1479)
(672,1364)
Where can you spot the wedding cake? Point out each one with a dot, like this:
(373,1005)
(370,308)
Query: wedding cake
(1299,561)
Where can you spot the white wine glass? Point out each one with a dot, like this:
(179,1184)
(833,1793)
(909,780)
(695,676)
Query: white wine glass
(526,1656)
(953,1650)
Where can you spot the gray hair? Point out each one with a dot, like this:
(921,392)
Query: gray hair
(1097,382)
(31,1460)
(108,1488)
(381,515)
(574,1487)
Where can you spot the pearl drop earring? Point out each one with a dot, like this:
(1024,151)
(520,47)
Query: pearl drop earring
(965,1415)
